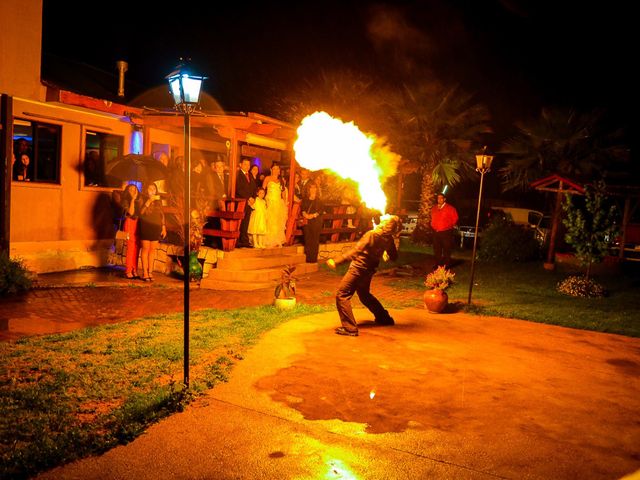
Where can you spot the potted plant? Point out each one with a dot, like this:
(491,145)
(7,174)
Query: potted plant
(436,299)
(197,223)
(285,292)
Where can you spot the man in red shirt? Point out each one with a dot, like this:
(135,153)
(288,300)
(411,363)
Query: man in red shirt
(443,218)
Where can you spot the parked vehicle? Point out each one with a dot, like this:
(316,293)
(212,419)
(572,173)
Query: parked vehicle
(467,225)
(409,223)
(533,219)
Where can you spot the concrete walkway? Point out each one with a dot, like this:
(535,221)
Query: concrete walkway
(450,396)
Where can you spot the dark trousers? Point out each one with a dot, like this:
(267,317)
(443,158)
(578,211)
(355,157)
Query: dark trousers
(244,226)
(442,245)
(311,233)
(357,281)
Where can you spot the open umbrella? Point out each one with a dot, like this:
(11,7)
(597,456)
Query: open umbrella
(140,168)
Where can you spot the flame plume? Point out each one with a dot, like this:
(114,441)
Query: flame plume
(325,142)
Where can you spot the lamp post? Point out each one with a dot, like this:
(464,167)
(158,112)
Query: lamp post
(483,163)
(185,88)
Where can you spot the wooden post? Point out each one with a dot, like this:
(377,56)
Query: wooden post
(399,193)
(6,167)
(234,161)
(557,213)
(626,217)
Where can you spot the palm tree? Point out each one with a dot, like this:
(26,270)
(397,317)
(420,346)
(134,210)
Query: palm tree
(571,144)
(348,95)
(442,128)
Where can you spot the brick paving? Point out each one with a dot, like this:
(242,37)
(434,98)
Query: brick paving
(74,300)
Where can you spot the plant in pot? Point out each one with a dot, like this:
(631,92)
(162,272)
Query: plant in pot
(436,299)
(197,223)
(285,292)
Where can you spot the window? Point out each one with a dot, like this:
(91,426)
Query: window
(101,150)
(36,150)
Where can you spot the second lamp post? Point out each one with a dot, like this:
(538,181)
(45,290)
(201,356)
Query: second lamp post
(483,163)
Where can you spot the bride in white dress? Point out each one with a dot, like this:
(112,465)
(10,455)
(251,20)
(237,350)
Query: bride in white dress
(276,209)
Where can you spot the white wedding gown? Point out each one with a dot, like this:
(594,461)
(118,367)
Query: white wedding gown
(276,215)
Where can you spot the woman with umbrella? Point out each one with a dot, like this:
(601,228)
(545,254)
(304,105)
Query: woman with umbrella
(152,229)
(131,209)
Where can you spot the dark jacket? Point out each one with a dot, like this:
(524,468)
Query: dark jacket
(217,188)
(245,188)
(368,251)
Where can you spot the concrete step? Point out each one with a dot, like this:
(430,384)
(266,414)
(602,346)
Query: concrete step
(260,262)
(213,284)
(258,275)
(263,252)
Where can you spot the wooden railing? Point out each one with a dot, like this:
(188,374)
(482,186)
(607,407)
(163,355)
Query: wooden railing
(229,214)
(337,224)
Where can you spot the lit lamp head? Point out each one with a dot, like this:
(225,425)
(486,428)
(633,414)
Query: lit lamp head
(483,162)
(185,87)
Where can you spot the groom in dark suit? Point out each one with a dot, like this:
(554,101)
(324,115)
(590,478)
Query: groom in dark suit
(245,188)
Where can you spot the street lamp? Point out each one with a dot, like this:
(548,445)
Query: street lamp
(483,162)
(185,88)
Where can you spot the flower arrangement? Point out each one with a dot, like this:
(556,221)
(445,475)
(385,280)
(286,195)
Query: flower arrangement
(287,286)
(440,279)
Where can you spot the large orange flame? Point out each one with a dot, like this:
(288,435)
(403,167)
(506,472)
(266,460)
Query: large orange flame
(325,142)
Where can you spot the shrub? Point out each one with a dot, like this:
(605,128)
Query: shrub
(579,286)
(507,242)
(14,276)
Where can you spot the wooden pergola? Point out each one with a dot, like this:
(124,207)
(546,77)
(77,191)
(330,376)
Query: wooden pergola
(562,185)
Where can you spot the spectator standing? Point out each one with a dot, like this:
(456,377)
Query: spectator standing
(258,222)
(255,175)
(131,209)
(152,229)
(276,208)
(22,164)
(312,224)
(245,188)
(444,218)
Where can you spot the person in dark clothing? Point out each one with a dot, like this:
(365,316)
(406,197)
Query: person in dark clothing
(365,258)
(311,212)
(245,188)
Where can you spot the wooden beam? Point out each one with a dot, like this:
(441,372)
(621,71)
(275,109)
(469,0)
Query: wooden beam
(6,167)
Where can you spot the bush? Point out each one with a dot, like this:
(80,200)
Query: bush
(14,276)
(507,242)
(579,286)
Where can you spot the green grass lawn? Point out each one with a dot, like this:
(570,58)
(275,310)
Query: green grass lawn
(66,396)
(526,291)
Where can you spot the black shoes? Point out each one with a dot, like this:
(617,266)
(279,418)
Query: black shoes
(344,331)
(385,321)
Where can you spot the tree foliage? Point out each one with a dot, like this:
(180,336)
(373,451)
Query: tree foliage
(442,128)
(572,144)
(591,227)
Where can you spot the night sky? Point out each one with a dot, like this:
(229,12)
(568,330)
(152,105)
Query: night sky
(515,55)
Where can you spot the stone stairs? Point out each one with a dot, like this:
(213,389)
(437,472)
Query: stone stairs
(254,269)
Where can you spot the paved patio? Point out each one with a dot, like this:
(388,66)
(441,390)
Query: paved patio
(451,396)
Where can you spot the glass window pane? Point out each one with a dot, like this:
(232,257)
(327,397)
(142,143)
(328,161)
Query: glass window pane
(36,151)
(101,150)
(47,153)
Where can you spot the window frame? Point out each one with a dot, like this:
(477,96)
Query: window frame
(84,131)
(36,152)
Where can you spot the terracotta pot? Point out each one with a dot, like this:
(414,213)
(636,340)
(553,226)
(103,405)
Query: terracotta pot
(436,300)
(285,303)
